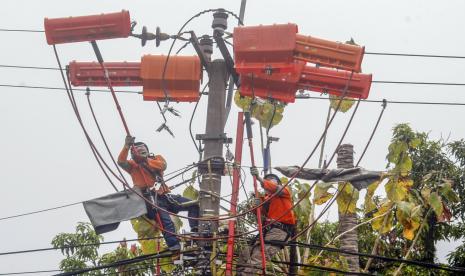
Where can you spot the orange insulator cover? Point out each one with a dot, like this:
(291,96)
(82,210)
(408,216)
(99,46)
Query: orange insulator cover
(329,53)
(264,48)
(91,73)
(277,86)
(87,28)
(333,82)
(181,81)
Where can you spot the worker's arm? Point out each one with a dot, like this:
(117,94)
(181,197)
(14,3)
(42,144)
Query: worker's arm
(272,187)
(123,155)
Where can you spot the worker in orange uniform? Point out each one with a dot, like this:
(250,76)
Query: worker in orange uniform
(146,169)
(277,208)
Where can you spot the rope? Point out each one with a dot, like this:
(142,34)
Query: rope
(102,136)
(78,116)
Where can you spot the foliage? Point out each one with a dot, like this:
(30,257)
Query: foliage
(265,111)
(347,198)
(345,105)
(80,257)
(423,175)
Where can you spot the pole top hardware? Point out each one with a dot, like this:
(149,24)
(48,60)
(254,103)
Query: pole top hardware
(220,21)
(204,137)
(158,36)
(214,165)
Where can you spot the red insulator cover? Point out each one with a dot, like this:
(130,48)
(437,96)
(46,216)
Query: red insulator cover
(277,86)
(333,82)
(91,73)
(264,48)
(329,53)
(87,28)
(181,81)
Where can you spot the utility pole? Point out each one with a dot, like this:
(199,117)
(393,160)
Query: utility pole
(210,186)
(348,220)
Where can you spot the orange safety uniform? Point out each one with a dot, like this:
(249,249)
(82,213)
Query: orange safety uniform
(278,205)
(141,177)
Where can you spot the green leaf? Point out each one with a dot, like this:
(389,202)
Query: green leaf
(346,104)
(263,110)
(395,190)
(190,192)
(381,223)
(369,203)
(436,203)
(414,143)
(321,193)
(405,166)
(177,222)
(425,193)
(347,198)
(408,216)
(447,192)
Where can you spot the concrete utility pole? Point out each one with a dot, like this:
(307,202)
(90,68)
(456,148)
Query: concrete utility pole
(347,220)
(210,186)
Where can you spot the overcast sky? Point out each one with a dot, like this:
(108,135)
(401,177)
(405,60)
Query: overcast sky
(46,161)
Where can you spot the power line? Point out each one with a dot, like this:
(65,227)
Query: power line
(322,268)
(70,246)
(125,262)
(413,55)
(366,53)
(187,168)
(312,246)
(379,257)
(306,96)
(374,81)
(31,272)
(298,96)
(41,211)
(29,67)
(419,83)
(63,89)
(22,30)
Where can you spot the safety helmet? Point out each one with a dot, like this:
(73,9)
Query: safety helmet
(273,177)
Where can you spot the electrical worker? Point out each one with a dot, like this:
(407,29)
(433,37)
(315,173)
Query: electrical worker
(277,208)
(146,169)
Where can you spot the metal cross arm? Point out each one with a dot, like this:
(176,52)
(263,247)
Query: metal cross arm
(203,59)
(218,36)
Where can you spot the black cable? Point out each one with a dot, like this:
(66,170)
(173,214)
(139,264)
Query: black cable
(419,83)
(28,67)
(305,97)
(121,262)
(76,203)
(72,246)
(192,118)
(322,268)
(64,89)
(69,92)
(411,55)
(31,272)
(40,211)
(22,30)
(103,136)
(298,96)
(379,257)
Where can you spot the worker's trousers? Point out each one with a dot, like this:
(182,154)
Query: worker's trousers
(250,262)
(171,205)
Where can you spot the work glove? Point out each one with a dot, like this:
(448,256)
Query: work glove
(254,171)
(129,141)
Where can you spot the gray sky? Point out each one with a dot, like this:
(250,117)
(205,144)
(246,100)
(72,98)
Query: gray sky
(46,161)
